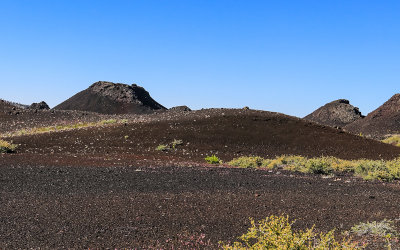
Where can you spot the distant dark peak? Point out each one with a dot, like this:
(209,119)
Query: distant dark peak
(337,113)
(40,105)
(112,98)
(180,108)
(121,92)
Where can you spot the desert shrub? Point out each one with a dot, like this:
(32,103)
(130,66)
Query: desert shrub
(394,168)
(162,147)
(288,162)
(371,170)
(213,159)
(275,232)
(6,147)
(340,165)
(319,166)
(176,142)
(374,228)
(249,162)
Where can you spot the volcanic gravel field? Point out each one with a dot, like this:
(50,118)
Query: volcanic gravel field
(107,186)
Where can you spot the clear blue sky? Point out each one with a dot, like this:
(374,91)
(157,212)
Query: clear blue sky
(283,56)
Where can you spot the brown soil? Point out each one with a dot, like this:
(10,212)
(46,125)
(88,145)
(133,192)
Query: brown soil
(107,187)
(139,207)
(383,121)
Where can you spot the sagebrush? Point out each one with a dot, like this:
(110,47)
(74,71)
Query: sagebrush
(276,232)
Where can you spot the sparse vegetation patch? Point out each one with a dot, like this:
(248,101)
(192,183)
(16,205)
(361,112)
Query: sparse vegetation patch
(61,127)
(249,162)
(6,147)
(393,140)
(367,169)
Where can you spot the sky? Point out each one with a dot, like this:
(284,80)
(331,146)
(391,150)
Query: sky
(283,56)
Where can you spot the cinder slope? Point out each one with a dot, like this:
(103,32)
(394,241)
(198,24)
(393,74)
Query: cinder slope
(380,122)
(226,133)
(338,113)
(112,98)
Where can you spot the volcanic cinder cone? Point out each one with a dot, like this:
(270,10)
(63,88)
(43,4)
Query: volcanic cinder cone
(380,122)
(338,113)
(112,98)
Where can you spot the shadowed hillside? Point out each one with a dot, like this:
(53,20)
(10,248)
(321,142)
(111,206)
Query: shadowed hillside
(380,122)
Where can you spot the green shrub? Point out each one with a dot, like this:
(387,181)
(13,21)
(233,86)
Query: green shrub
(318,166)
(275,232)
(213,159)
(371,170)
(162,147)
(249,162)
(6,147)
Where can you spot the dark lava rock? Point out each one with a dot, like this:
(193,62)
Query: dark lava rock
(380,122)
(180,108)
(112,98)
(338,113)
(40,105)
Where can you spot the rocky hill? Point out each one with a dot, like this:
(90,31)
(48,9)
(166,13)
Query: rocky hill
(338,113)
(380,122)
(112,98)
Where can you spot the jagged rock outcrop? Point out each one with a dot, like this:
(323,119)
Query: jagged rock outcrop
(40,105)
(180,109)
(382,121)
(112,98)
(338,113)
